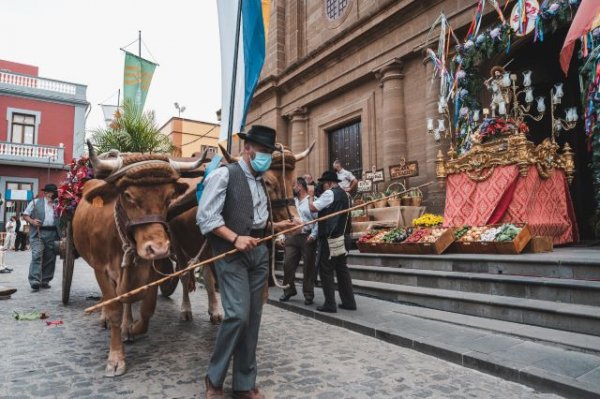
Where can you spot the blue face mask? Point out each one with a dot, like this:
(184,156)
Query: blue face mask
(261,162)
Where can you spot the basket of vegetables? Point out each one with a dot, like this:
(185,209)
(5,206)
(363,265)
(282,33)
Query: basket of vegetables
(392,189)
(414,197)
(382,203)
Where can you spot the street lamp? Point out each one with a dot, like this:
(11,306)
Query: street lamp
(179,108)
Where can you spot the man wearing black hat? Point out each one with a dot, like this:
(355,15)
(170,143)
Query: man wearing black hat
(43,236)
(233,213)
(332,251)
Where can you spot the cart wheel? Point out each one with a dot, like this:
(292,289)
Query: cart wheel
(68,264)
(168,287)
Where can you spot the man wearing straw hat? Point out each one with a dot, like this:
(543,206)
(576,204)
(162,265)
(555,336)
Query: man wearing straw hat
(233,213)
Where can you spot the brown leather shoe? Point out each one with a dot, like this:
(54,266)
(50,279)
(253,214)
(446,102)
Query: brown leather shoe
(211,391)
(254,393)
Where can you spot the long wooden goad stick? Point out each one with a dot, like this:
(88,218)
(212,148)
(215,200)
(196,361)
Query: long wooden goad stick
(96,307)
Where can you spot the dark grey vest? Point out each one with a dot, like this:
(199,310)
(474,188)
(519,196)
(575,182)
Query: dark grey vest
(39,212)
(238,210)
(334,227)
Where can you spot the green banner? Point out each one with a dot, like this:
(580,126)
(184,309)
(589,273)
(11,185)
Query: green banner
(137,77)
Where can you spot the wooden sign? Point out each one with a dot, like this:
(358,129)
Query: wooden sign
(376,176)
(404,170)
(365,186)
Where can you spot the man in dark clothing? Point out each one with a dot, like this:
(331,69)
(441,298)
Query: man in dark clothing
(333,199)
(233,213)
(21,241)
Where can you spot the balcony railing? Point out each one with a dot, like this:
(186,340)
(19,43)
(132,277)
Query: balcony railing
(31,85)
(44,155)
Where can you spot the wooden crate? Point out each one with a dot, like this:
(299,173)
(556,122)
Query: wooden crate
(517,245)
(371,247)
(475,247)
(434,248)
(539,244)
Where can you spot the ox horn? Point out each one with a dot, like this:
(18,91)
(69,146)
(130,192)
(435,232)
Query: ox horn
(228,157)
(180,166)
(103,166)
(304,154)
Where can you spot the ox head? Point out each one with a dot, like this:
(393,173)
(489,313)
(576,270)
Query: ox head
(141,191)
(279,179)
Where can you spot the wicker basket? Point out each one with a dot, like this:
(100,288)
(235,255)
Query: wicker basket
(411,201)
(393,202)
(381,203)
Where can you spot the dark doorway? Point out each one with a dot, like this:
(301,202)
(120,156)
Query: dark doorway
(345,145)
(542,58)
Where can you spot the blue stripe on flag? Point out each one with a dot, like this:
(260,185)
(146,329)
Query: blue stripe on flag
(254,49)
(214,164)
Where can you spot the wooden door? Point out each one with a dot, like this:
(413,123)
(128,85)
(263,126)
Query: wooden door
(345,145)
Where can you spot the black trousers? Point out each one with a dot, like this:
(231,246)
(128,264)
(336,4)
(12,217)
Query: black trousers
(21,241)
(326,269)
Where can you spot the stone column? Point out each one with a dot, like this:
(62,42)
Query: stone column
(393,135)
(298,136)
(435,194)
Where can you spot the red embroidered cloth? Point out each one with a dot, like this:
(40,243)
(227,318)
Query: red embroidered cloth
(506,197)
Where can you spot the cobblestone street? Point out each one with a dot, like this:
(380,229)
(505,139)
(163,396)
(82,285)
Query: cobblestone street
(298,357)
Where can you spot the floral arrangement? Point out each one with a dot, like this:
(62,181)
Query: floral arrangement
(428,220)
(494,127)
(590,78)
(70,191)
(485,45)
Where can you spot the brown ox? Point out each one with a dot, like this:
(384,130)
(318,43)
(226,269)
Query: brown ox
(139,193)
(188,241)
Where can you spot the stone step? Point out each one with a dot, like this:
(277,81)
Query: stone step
(582,292)
(509,350)
(583,319)
(570,263)
(578,318)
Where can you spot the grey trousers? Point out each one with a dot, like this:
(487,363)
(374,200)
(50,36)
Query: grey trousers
(296,247)
(43,257)
(241,279)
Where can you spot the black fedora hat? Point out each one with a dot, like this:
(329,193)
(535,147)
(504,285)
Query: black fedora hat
(260,135)
(329,175)
(50,188)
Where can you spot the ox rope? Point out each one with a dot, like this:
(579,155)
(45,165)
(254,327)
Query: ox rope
(273,252)
(143,288)
(128,251)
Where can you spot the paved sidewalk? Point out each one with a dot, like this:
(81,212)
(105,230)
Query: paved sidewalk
(544,366)
(298,357)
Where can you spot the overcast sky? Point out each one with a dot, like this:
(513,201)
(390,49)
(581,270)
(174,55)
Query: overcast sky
(78,41)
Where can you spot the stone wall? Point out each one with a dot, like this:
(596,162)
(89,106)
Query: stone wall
(369,65)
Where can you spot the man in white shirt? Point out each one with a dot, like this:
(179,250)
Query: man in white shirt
(44,237)
(301,245)
(347,180)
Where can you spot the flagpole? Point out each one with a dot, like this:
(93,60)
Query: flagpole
(234,77)
(140,43)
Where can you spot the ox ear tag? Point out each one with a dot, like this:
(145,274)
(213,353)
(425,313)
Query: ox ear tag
(98,202)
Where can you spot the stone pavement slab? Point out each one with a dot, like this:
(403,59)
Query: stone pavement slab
(298,356)
(541,365)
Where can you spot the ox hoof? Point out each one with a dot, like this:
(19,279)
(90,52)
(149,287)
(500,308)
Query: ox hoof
(216,318)
(186,315)
(115,368)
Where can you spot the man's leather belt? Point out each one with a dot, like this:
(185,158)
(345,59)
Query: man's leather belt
(52,228)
